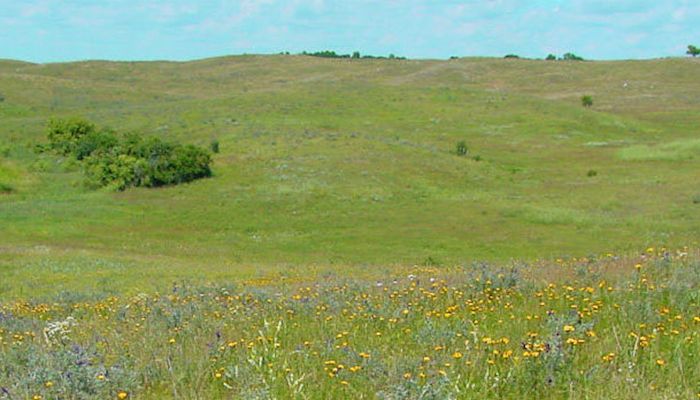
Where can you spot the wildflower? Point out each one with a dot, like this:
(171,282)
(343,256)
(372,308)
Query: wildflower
(407,375)
(48,384)
(569,328)
(660,362)
(171,341)
(355,368)
(609,357)
(456,355)
(37,397)
(122,395)
(345,383)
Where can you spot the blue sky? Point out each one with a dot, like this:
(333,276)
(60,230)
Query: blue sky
(63,30)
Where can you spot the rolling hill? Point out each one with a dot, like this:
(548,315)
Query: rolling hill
(338,165)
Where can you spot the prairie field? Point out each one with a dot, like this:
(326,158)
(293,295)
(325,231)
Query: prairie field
(373,228)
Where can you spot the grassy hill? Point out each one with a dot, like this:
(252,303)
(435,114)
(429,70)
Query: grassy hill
(333,165)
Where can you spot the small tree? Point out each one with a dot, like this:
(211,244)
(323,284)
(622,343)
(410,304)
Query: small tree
(571,57)
(551,57)
(356,54)
(214,146)
(693,50)
(511,56)
(587,101)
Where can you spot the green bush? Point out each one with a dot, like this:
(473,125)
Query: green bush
(461,149)
(121,161)
(587,101)
(214,146)
(5,188)
(65,135)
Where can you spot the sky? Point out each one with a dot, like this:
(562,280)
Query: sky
(69,30)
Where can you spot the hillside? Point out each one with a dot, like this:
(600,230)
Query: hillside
(350,163)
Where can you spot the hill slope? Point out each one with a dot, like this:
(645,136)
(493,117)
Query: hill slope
(352,162)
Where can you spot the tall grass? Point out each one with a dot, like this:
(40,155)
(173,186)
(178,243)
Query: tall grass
(592,329)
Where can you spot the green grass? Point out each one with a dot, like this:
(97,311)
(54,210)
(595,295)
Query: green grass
(681,150)
(341,228)
(351,163)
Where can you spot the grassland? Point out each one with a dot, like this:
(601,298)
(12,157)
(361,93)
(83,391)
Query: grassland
(624,328)
(335,174)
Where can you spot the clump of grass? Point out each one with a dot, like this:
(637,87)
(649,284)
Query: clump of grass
(673,151)
(591,173)
(5,188)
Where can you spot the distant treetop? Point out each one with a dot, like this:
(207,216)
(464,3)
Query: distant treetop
(355,55)
(693,50)
(565,57)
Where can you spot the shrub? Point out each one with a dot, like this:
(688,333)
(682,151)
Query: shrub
(587,101)
(551,57)
(64,135)
(461,149)
(94,141)
(511,56)
(696,199)
(120,161)
(591,173)
(214,146)
(5,188)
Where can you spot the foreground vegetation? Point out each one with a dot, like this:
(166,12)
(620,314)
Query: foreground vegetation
(625,327)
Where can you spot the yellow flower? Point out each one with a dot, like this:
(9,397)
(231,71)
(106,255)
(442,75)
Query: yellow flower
(48,384)
(407,375)
(37,397)
(609,357)
(122,395)
(457,355)
(660,362)
(171,341)
(569,328)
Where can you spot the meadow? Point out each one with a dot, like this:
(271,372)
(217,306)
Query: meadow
(612,327)
(344,247)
